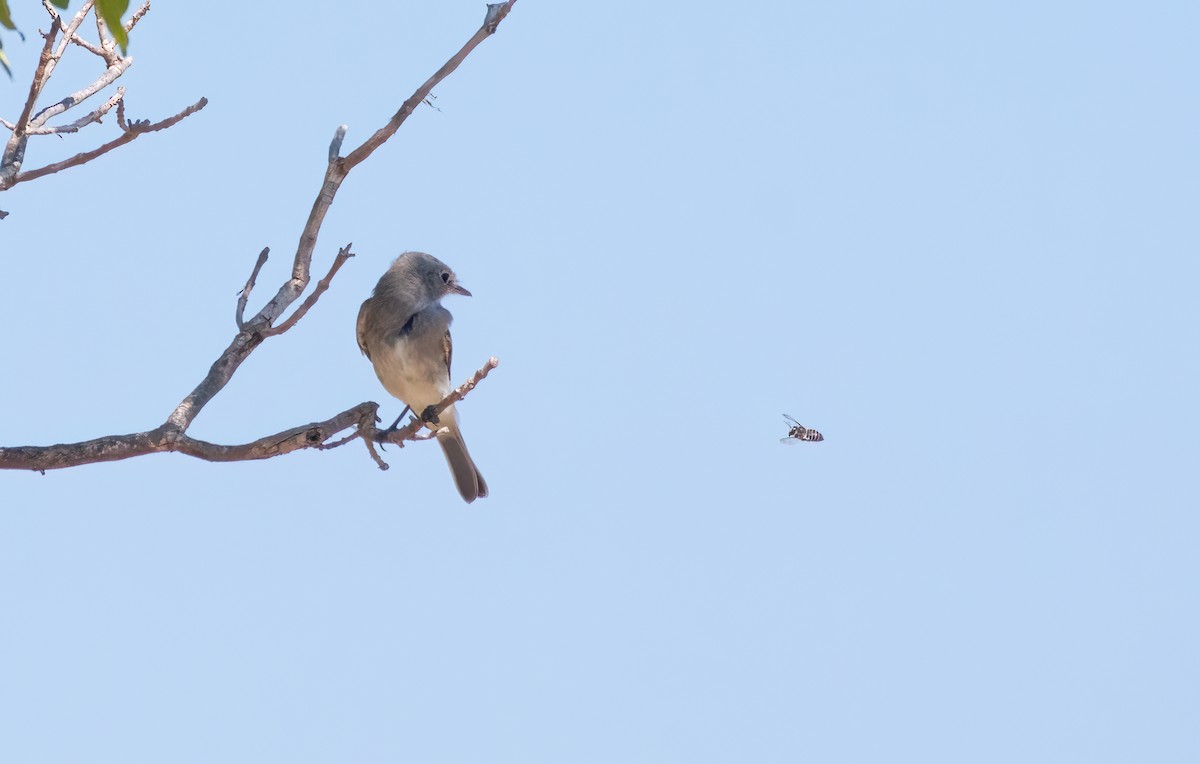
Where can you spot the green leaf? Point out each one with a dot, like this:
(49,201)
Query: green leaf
(112,11)
(5,18)
(60,3)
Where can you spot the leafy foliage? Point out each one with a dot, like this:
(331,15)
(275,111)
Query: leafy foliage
(6,22)
(110,10)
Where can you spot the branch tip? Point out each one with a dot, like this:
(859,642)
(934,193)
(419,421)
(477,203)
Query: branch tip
(335,146)
(495,14)
(137,16)
(244,295)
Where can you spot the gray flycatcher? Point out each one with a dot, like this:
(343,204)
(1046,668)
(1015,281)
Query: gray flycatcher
(405,332)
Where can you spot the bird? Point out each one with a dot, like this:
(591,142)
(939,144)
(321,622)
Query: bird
(404,332)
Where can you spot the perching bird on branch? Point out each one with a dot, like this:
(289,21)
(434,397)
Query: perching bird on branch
(405,332)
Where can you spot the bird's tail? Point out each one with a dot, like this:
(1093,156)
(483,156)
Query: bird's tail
(466,475)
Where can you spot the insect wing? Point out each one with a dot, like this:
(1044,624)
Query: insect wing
(798,433)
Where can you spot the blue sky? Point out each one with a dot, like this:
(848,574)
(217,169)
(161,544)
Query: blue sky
(958,239)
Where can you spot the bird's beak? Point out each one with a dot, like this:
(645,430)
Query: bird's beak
(460,290)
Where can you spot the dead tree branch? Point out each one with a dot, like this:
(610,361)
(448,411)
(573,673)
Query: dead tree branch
(31,123)
(171,435)
(14,149)
(495,14)
(82,122)
(244,295)
(343,255)
(133,130)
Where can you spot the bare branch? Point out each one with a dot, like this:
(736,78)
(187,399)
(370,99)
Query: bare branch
(82,122)
(343,255)
(89,47)
(134,130)
(111,74)
(69,31)
(295,286)
(244,295)
(367,431)
(161,440)
(14,149)
(31,123)
(41,74)
(137,16)
(74,161)
(314,435)
(106,40)
(495,14)
(335,146)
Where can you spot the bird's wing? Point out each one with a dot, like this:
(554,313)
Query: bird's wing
(361,329)
(448,351)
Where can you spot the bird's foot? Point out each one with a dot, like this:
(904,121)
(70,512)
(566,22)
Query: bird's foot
(429,415)
(395,426)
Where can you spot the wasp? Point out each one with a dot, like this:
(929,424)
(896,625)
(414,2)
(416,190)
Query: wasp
(798,432)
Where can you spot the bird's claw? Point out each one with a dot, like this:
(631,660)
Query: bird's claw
(430,415)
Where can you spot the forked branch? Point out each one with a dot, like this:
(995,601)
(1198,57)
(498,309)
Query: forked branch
(31,123)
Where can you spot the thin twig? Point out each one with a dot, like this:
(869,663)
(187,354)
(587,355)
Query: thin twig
(114,71)
(135,130)
(69,30)
(343,255)
(121,123)
(340,442)
(106,40)
(495,15)
(82,122)
(137,16)
(76,160)
(244,295)
(335,146)
(89,47)
(367,431)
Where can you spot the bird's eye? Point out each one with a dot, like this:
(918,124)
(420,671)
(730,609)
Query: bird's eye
(445,277)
